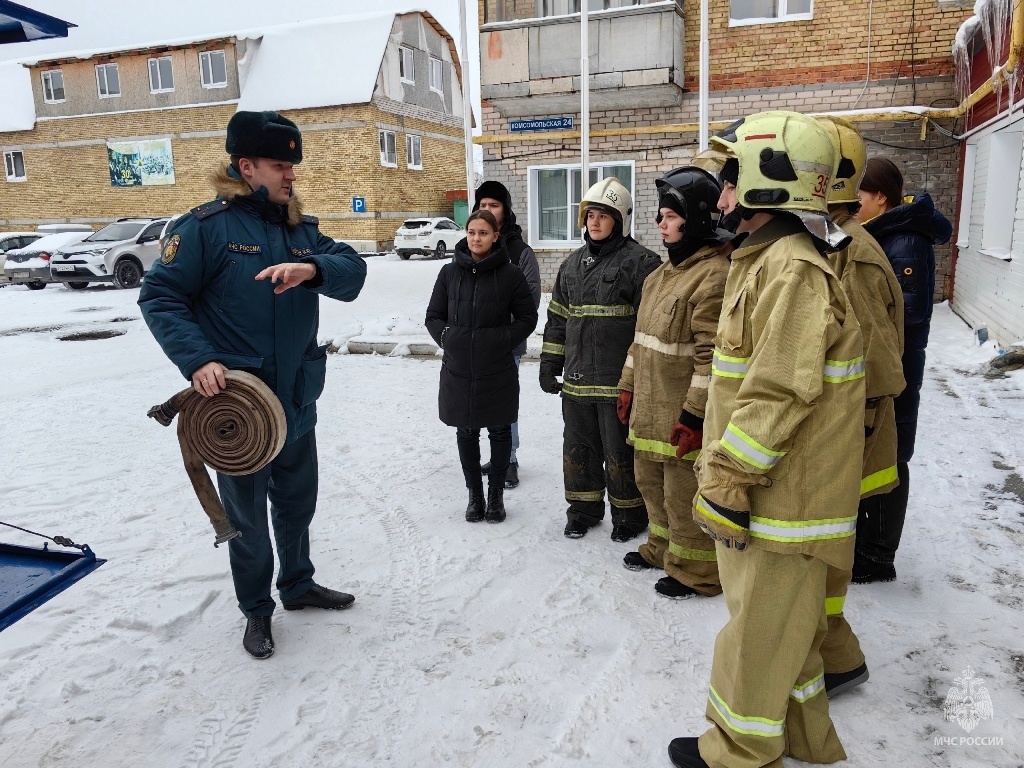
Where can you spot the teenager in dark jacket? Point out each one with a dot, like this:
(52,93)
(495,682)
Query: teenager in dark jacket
(480,311)
(494,197)
(907,233)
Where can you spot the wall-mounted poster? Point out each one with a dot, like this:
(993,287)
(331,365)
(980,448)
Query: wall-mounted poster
(140,163)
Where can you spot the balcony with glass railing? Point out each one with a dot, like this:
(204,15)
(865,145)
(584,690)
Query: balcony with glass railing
(530,54)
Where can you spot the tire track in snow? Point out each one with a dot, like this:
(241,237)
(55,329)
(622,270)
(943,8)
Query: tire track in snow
(386,698)
(218,745)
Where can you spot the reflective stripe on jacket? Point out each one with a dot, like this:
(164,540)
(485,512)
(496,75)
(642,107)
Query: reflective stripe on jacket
(877,300)
(592,317)
(668,367)
(784,428)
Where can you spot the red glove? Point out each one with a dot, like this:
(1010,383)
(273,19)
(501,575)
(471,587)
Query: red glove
(687,440)
(624,405)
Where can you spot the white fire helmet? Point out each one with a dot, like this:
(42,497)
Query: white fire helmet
(608,193)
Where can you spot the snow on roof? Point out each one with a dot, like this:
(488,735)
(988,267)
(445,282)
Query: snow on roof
(19,111)
(311,64)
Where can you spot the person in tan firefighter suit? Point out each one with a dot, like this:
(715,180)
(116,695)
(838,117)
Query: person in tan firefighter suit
(590,325)
(664,384)
(877,300)
(780,470)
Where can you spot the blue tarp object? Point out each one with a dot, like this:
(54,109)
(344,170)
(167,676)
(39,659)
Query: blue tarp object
(30,576)
(19,24)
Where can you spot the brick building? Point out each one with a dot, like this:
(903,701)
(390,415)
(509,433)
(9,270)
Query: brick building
(378,98)
(765,54)
(988,291)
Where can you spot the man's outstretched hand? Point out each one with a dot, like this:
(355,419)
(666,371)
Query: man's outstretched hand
(288,275)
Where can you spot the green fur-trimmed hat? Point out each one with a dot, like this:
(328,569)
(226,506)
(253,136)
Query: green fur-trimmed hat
(264,134)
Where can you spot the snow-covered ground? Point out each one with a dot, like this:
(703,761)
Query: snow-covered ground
(469,645)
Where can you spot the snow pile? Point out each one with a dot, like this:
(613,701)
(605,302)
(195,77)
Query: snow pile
(18,112)
(469,645)
(312,64)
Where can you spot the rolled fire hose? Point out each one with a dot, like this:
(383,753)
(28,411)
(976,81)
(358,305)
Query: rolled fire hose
(236,432)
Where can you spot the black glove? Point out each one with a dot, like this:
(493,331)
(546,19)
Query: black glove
(548,382)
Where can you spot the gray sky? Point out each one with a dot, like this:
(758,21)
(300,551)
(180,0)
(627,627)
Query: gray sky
(110,23)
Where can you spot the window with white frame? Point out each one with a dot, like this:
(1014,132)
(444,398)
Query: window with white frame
(107,81)
(53,86)
(406,65)
(388,149)
(1001,192)
(414,152)
(161,75)
(14,165)
(555,193)
(214,69)
(436,75)
(767,11)
(967,195)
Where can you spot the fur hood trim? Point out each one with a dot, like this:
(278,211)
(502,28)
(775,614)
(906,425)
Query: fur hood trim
(228,188)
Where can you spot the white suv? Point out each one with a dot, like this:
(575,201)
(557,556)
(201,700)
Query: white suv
(432,237)
(120,253)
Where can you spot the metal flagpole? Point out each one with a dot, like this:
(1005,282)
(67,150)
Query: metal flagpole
(584,96)
(705,57)
(467,107)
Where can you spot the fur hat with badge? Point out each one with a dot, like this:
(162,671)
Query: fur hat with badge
(264,134)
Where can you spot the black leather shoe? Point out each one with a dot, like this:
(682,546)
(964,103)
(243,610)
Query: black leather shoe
(634,561)
(625,531)
(868,572)
(576,529)
(683,753)
(674,589)
(257,640)
(320,597)
(475,508)
(840,682)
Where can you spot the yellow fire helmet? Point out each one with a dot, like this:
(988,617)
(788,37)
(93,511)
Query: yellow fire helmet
(710,160)
(608,193)
(853,159)
(787,161)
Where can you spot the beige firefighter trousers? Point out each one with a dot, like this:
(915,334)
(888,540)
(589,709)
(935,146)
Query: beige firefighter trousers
(767,695)
(840,649)
(674,542)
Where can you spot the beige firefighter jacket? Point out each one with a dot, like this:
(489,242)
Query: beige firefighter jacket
(668,367)
(784,428)
(877,300)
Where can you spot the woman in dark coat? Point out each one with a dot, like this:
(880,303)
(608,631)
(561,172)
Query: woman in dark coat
(480,311)
(907,233)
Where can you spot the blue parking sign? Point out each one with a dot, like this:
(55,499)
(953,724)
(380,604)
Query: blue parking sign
(359,205)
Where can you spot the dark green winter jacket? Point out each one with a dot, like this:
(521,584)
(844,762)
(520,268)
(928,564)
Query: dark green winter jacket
(202,303)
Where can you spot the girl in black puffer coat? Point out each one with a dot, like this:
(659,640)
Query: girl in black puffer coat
(480,311)
(907,233)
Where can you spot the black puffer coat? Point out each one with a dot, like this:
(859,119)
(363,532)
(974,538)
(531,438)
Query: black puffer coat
(478,313)
(907,234)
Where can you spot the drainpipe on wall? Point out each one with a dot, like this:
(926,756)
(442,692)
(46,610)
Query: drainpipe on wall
(584,96)
(467,107)
(705,57)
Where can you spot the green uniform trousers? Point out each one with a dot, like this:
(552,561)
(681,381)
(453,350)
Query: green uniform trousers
(767,694)
(841,649)
(674,542)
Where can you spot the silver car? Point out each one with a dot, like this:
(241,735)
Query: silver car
(31,265)
(120,253)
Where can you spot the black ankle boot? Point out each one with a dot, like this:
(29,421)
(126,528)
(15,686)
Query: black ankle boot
(475,509)
(496,498)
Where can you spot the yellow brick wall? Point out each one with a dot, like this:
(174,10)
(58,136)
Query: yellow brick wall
(831,47)
(339,164)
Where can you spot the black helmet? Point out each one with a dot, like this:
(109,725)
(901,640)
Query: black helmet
(693,193)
